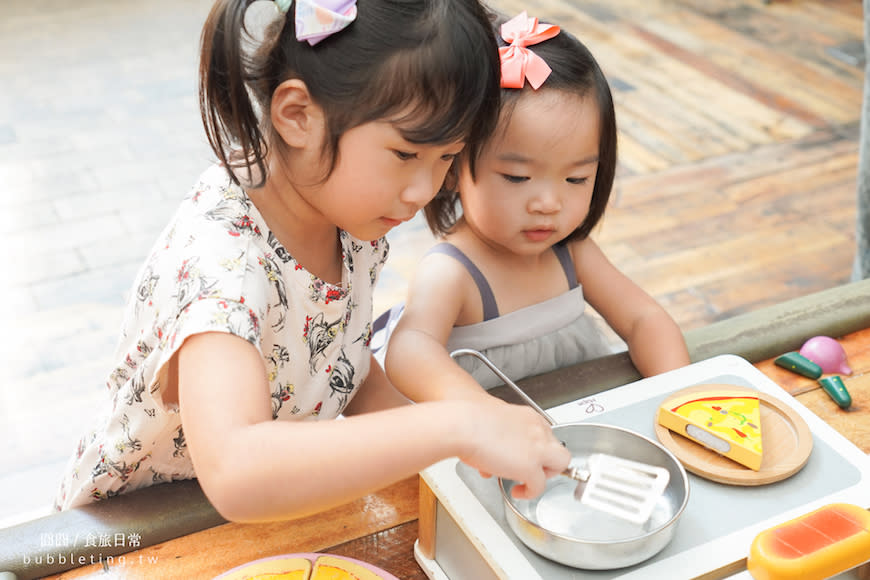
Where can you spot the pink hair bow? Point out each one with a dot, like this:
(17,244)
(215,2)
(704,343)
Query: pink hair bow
(317,19)
(518,63)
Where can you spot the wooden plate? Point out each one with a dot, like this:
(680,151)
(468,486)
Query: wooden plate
(787,444)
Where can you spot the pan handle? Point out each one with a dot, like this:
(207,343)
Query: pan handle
(471,352)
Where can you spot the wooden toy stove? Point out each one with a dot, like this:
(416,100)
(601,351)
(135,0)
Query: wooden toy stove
(464,535)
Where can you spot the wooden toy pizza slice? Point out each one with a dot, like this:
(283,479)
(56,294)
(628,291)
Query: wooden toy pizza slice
(726,421)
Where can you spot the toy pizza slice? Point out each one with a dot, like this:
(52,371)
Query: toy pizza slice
(333,568)
(725,421)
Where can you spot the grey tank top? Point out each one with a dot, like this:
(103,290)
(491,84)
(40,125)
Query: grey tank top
(530,341)
(490,308)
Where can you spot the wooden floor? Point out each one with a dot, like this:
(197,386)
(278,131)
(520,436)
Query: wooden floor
(738,144)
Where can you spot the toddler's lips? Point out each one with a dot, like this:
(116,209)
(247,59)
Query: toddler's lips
(537,235)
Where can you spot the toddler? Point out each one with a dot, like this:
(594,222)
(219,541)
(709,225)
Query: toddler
(517,264)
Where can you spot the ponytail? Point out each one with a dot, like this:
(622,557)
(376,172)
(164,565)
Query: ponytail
(228,115)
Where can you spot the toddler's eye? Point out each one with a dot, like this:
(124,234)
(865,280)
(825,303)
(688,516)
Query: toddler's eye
(404,155)
(577,180)
(514,178)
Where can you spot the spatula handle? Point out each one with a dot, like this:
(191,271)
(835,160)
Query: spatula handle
(576,473)
(471,352)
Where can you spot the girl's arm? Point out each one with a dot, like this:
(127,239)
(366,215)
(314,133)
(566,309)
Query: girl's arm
(255,469)
(376,393)
(655,342)
(417,361)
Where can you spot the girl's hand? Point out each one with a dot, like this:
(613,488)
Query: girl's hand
(515,442)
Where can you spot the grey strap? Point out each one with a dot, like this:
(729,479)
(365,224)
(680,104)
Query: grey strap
(490,308)
(567,265)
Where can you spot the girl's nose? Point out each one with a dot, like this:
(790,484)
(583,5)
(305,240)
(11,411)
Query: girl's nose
(546,200)
(422,188)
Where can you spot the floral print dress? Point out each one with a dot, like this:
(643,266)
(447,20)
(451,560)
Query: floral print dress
(218,268)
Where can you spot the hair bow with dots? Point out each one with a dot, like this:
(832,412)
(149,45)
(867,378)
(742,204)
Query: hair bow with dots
(518,63)
(317,19)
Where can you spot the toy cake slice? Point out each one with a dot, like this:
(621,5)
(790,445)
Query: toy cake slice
(274,569)
(333,568)
(305,567)
(725,421)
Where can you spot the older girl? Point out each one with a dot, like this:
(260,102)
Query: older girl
(250,324)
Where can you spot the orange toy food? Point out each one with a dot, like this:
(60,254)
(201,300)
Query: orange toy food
(726,421)
(816,545)
(332,568)
(274,569)
(300,567)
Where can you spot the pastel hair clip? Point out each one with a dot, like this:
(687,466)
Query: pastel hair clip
(518,63)
(318,19)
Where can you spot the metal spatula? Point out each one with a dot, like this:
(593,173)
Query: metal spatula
(621,487)
(624,488)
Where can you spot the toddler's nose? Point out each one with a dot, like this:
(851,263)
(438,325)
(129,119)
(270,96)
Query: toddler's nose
(545,201)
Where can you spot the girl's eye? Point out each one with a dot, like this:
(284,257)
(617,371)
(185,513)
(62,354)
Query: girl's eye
(404,155)
(449,156)
(577,180)
(514,178)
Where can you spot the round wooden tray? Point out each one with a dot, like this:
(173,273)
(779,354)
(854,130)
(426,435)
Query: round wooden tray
(787,444)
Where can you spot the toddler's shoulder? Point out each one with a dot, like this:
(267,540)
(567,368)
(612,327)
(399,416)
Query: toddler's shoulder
(443,269)
(584,251)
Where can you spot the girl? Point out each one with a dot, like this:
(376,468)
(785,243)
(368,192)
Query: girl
(255,303)
(511,276)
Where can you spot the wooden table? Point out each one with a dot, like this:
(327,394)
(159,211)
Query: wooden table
(853,423)
(381,528)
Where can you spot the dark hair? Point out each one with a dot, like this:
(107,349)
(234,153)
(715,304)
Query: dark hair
(576,71)
(434,62)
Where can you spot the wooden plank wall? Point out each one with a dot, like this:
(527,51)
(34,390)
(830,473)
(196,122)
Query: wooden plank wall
(739,138)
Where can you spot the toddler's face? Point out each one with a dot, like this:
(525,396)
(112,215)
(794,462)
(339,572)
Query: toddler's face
(535,177)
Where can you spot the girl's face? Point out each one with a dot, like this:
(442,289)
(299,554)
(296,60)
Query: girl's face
(380,179)
(536,175)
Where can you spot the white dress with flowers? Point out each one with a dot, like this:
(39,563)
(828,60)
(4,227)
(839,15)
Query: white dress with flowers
(218,268)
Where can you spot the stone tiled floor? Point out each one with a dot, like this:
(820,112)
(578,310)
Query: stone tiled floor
(100,138)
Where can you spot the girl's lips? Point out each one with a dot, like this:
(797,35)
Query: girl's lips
(537,235)
(391,222)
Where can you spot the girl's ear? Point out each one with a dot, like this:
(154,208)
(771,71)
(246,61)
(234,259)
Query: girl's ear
(295,116)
